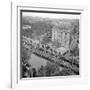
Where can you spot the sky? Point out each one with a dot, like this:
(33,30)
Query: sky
(49,15)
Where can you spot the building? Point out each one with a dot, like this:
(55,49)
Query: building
(62,36)
(55,33)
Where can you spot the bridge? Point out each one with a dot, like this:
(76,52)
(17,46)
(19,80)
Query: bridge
(62,61)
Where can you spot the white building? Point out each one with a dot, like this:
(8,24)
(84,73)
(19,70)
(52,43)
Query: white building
(62,36)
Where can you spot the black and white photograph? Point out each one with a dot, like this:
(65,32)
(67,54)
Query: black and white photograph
(49,44)
(45,45)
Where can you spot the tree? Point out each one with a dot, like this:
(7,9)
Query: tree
(26,54)
(41,71)
(51,69)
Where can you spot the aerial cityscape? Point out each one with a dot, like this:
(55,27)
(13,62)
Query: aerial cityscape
(49,47)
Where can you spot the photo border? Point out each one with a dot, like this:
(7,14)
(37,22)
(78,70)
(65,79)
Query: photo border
(15,82)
